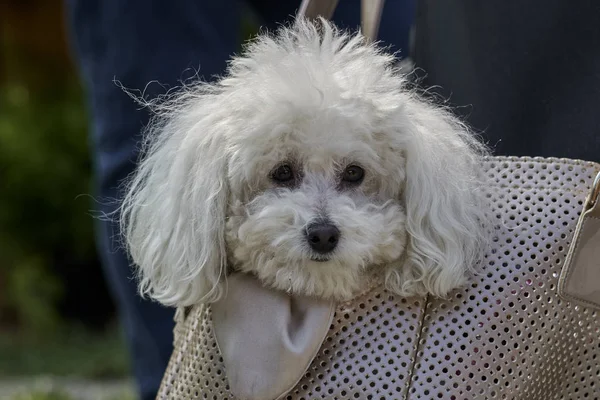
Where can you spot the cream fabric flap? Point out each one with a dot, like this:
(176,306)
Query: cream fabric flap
(267,338)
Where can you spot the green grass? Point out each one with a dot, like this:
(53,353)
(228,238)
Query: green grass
(78,354)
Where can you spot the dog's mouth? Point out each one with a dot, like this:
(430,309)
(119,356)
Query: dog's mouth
(320,259)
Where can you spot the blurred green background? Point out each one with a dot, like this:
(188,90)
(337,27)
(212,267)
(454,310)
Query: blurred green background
(58,330)
(59,334)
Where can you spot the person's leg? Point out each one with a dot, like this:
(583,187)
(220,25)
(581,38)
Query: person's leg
(136,42)
(522,74)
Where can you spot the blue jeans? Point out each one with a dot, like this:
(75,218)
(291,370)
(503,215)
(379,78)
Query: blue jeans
(136,42)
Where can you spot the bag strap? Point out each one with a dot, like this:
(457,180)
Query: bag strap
(370,13)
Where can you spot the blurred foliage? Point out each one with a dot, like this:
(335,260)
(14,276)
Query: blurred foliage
(46,231)
(56,393)
(44,170)
(41,395)
(61,395)
(76,354)
(45,222)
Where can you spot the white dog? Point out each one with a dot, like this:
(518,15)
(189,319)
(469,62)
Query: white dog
(311,166)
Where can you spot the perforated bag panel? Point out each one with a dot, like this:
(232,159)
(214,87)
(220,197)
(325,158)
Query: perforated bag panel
(506,336)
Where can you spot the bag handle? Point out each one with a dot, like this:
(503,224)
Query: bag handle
(370,13)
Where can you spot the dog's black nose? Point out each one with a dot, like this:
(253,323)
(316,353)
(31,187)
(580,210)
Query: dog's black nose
(322,237)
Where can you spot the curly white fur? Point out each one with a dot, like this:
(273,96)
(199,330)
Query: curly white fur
(203,203)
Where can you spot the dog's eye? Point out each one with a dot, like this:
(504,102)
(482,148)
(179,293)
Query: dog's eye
(353,174)
(283,174)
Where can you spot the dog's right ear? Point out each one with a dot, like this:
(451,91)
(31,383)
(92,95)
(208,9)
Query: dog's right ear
(173,215)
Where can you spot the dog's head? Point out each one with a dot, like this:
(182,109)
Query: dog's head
(308,165)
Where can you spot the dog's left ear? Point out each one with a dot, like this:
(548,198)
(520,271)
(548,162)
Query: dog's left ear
(444,215)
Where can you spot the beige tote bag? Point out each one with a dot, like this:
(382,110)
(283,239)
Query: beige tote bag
(526,328)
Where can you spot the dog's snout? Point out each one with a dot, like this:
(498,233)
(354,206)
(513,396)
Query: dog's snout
(322,237)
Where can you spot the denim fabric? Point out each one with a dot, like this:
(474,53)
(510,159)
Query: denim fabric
(149,46)
(523,74)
